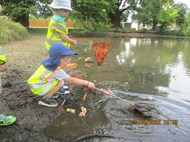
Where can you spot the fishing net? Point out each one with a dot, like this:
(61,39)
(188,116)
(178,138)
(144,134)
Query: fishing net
(100,51)
(140,108)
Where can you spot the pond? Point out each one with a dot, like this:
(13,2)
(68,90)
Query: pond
(151,71)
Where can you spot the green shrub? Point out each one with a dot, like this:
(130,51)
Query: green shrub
(10,30)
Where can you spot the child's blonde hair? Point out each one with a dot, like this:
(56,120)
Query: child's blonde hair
(56,10)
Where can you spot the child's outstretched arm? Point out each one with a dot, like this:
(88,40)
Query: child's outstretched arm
(68,39)
(77,81)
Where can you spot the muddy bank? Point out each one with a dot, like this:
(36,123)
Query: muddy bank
(23,57)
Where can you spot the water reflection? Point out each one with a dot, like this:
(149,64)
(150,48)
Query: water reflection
(68,127)
(179,79)
(161,62)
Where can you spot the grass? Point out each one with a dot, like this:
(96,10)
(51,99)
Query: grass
(10,30)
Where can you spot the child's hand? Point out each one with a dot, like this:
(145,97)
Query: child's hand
(74,42)
(91,85)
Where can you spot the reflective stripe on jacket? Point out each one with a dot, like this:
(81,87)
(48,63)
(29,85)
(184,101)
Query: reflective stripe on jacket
(38,81)
(2,57)
(59,28)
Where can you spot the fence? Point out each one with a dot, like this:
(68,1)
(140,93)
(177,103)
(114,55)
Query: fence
(36,23)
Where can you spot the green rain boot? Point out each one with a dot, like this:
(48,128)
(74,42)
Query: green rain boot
(6,120)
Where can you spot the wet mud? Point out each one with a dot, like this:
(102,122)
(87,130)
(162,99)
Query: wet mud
(23,57)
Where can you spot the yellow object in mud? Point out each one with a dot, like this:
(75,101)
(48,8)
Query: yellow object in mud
(83,112)
(70,110)
(84,109)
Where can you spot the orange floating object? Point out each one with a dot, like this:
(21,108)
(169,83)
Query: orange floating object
(72,65)
(100,51)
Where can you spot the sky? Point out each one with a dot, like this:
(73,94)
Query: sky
(187,2)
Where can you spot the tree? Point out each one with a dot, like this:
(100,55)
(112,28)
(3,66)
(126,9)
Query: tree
(147,12)
(41,9)
(185,26)
(182,11)
(118,7)
(98,12)
(91,11)
(103,10)
(18,10)
(167,15)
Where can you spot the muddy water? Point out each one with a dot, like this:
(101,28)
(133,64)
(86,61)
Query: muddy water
(152,71)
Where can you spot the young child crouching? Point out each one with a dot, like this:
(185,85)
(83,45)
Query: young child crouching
(50,76)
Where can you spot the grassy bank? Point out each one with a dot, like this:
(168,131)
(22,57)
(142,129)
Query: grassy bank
(10,30)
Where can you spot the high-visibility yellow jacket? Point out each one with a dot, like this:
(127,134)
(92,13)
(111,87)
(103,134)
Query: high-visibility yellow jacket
(2,57)
(38,81)
(55,29)
(44,80)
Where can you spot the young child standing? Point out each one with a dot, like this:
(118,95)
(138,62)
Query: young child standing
(57,30)
(50,76)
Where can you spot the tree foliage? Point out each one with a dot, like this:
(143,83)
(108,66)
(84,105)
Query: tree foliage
(91,11)
(167,15)
(182,12)
(147,12)
(160,13)
(119,8)
(17,10)
(100,12)
(103,13)
(41,9)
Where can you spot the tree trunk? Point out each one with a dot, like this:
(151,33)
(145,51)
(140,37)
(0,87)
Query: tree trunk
(116,22)
(115,19)
(154,24)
